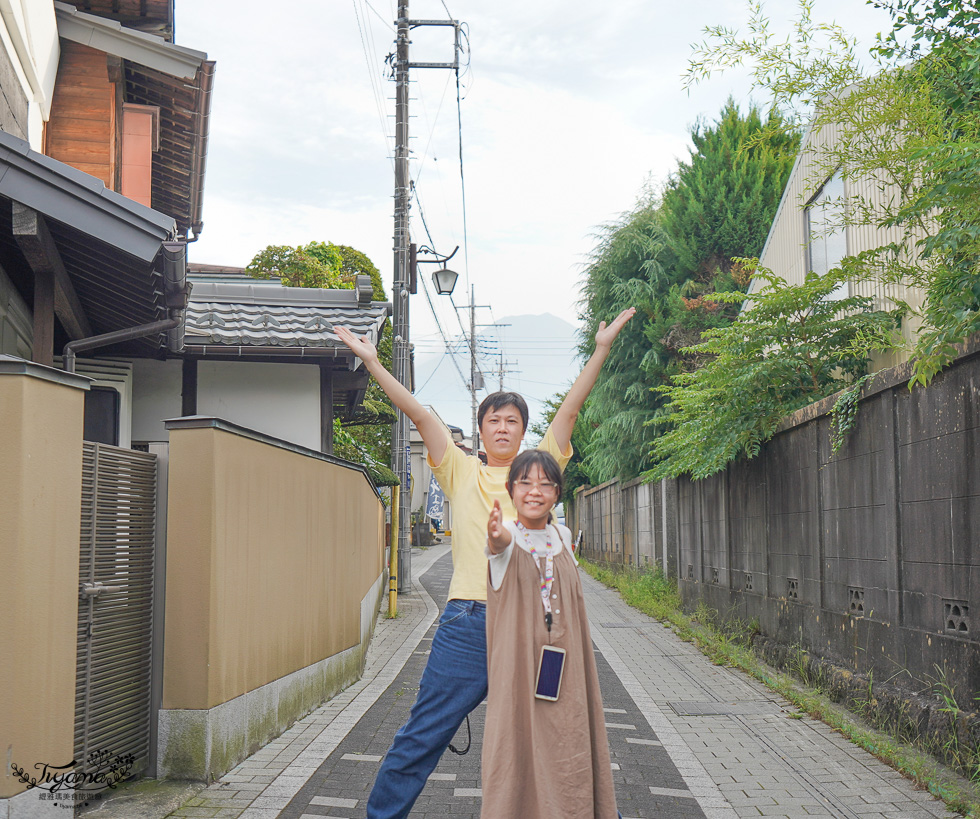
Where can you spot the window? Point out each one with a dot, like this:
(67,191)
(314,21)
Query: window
(826,233)
(102,416)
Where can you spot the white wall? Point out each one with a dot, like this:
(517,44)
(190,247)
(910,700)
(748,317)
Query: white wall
(29,34)
(282,400)
(156,397)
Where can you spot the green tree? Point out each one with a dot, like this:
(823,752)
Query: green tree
(575,475)
(365,438)
(719,204)
(625,270)
(346,445)
(909,123)
(792,346)
(666,258)
(297,266)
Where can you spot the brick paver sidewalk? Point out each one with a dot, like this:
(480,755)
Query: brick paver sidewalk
(687,738)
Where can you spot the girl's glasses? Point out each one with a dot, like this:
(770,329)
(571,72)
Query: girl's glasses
(542,486)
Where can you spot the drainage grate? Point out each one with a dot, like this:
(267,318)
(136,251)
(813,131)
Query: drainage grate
(855,598)
(748,581)
(714,575)
(793,592)
(690,572)
(957,617)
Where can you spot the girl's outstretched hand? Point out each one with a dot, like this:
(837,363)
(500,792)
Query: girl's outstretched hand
(498,538)
(359,346)
(605,336)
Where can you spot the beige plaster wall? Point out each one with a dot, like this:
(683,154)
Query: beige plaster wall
(269,555)
(785,252)
(40,506)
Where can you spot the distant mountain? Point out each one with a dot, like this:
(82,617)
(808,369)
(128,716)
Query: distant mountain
(537,355)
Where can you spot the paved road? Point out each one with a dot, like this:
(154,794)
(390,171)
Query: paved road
(687,738)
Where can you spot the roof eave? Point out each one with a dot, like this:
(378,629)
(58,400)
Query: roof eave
(81,201)
(113,38)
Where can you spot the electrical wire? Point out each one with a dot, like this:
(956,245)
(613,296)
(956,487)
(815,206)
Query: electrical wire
(434,371)
(470,345)
(428,297)
(382,19)
(432,127)
(462,179)
(375,87)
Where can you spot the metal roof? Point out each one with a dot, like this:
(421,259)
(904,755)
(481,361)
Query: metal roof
(79,200)
(113,38)
(156,16)
(109,244)
(243,316)
(175,79)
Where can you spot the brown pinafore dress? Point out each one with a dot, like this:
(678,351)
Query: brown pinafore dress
(541,759)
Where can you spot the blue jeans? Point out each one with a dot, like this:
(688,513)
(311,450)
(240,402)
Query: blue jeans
(453,684)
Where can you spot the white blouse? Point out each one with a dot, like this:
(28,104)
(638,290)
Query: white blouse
(559,536)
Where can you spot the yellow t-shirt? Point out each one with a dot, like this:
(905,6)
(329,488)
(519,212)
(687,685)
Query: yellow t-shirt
(472,487)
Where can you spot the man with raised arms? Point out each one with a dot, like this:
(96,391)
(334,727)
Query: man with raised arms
(455,678)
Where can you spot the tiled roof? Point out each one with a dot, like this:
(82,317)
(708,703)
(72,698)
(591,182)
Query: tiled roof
(267,318)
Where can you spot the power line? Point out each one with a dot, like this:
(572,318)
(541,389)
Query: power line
(425,289)
(375,87)
(432,127)
(382,19)
(462,180)
(434,371)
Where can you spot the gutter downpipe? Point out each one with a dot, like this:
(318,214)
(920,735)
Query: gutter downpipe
(201,149)
(176,294)
(140,331)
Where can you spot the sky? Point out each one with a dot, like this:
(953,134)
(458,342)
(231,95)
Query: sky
(569,112)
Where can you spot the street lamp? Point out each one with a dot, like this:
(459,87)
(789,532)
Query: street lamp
(444,280)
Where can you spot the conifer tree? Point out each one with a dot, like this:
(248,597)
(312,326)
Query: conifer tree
(665,258)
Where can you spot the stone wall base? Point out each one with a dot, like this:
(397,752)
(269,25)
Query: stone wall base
(38,804)
(203,745)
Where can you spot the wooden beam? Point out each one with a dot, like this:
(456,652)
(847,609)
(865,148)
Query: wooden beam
(326,410)
(43,341)
(117,76)
(354,384)
(35,242)
(188,387)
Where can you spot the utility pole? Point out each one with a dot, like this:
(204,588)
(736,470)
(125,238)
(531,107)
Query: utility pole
(476,426)
(400,460)
(504,368)
(400,453)
(476,377)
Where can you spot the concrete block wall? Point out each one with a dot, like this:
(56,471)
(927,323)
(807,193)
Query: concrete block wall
(867,558)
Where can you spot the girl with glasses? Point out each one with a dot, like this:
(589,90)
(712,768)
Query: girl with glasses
(545,752)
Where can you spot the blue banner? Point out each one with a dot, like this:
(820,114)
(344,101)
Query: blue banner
(436,501)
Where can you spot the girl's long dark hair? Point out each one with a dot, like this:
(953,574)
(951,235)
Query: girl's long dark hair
(526,461)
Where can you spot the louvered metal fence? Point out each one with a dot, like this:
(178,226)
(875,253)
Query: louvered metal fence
(115,609)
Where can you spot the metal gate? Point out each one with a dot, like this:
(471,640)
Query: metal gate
(115,608)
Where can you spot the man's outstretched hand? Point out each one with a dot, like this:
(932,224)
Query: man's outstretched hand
(359,346)
(605,336)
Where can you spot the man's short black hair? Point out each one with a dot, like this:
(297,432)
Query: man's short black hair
(499,400)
